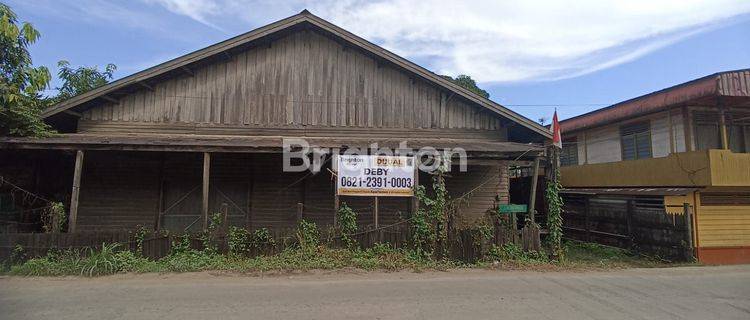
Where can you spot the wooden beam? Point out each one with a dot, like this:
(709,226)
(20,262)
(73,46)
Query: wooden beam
(187,71)
(73,113)
(72,223)
(376,212)
(228,56)
(145,86)
(160,205)
(249,203)
(723,125)
(336,203)
(532,194)
(110,99)
(204,198)
(688,125)
(415,200)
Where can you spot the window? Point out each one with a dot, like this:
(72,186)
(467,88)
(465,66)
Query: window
(738,131)
(706,130)
(569,154)
(636,141)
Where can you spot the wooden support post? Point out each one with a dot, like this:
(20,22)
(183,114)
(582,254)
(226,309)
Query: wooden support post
(249,199)
(723,126)
(206,177)
(629,219)
(160,205)
(415,200)
(334,165)
(224,218)
(532,194)
(689,252)
(300,209)
(586,214)
(375,212)
(76,191)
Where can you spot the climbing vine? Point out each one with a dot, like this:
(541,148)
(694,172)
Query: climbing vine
(430,222)
(53,219)
(347,220)
(554,214)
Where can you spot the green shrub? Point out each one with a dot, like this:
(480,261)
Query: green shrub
(110,259)
(347,223)
(511,252)
(308,236)
(238,241)
(262,238)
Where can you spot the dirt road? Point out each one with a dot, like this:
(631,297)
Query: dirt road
(675,293)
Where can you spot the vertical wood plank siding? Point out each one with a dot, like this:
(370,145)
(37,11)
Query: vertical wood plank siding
(120,190)
(303,79)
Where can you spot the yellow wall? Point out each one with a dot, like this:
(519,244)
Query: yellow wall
(729,168)
(724,226)
(686,169)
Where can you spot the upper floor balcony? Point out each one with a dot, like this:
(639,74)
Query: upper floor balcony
(706,168)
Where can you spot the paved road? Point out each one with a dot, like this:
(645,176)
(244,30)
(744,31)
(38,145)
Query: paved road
(677,293)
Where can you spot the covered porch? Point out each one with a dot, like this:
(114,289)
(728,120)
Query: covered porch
(166,182)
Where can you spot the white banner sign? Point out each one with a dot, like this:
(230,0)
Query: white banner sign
(389,176)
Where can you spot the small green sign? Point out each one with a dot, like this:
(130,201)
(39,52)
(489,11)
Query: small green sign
(513,208)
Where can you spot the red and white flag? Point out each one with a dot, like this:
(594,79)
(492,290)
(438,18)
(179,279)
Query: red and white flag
(555,128)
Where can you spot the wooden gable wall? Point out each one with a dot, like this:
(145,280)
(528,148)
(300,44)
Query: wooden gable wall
(303,80)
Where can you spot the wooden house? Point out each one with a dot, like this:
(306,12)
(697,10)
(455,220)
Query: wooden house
(687,145)
(201,133)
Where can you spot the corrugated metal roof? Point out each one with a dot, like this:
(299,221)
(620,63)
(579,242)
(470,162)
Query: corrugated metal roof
(730,83)
(632,191)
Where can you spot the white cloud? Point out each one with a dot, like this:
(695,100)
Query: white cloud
(497,41)
(198,10)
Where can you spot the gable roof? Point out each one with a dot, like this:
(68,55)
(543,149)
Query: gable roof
(734,83)
(305,17)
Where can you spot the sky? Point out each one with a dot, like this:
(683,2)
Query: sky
(532,56)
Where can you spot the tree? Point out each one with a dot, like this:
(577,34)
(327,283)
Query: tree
(20,82)
(468,83)
(80,80)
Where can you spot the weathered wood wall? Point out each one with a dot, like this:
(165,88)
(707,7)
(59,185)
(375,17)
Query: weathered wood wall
(124,190)
(303,81)
(638,223)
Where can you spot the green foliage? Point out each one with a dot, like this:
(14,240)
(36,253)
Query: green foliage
(511,252)
(53,219)
(80,80)
(181,245)
(347,220)
(140,236)
(262,238)
(110,259)
(468,83)
(430,223)
(21,83)
(207,238)
(308,236)
(238,240)
(554,215)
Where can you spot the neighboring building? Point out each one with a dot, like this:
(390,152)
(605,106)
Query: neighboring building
(686,144)
(167,145)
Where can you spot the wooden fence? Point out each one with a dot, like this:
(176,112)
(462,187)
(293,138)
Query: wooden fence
(641,224)
(464,244)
